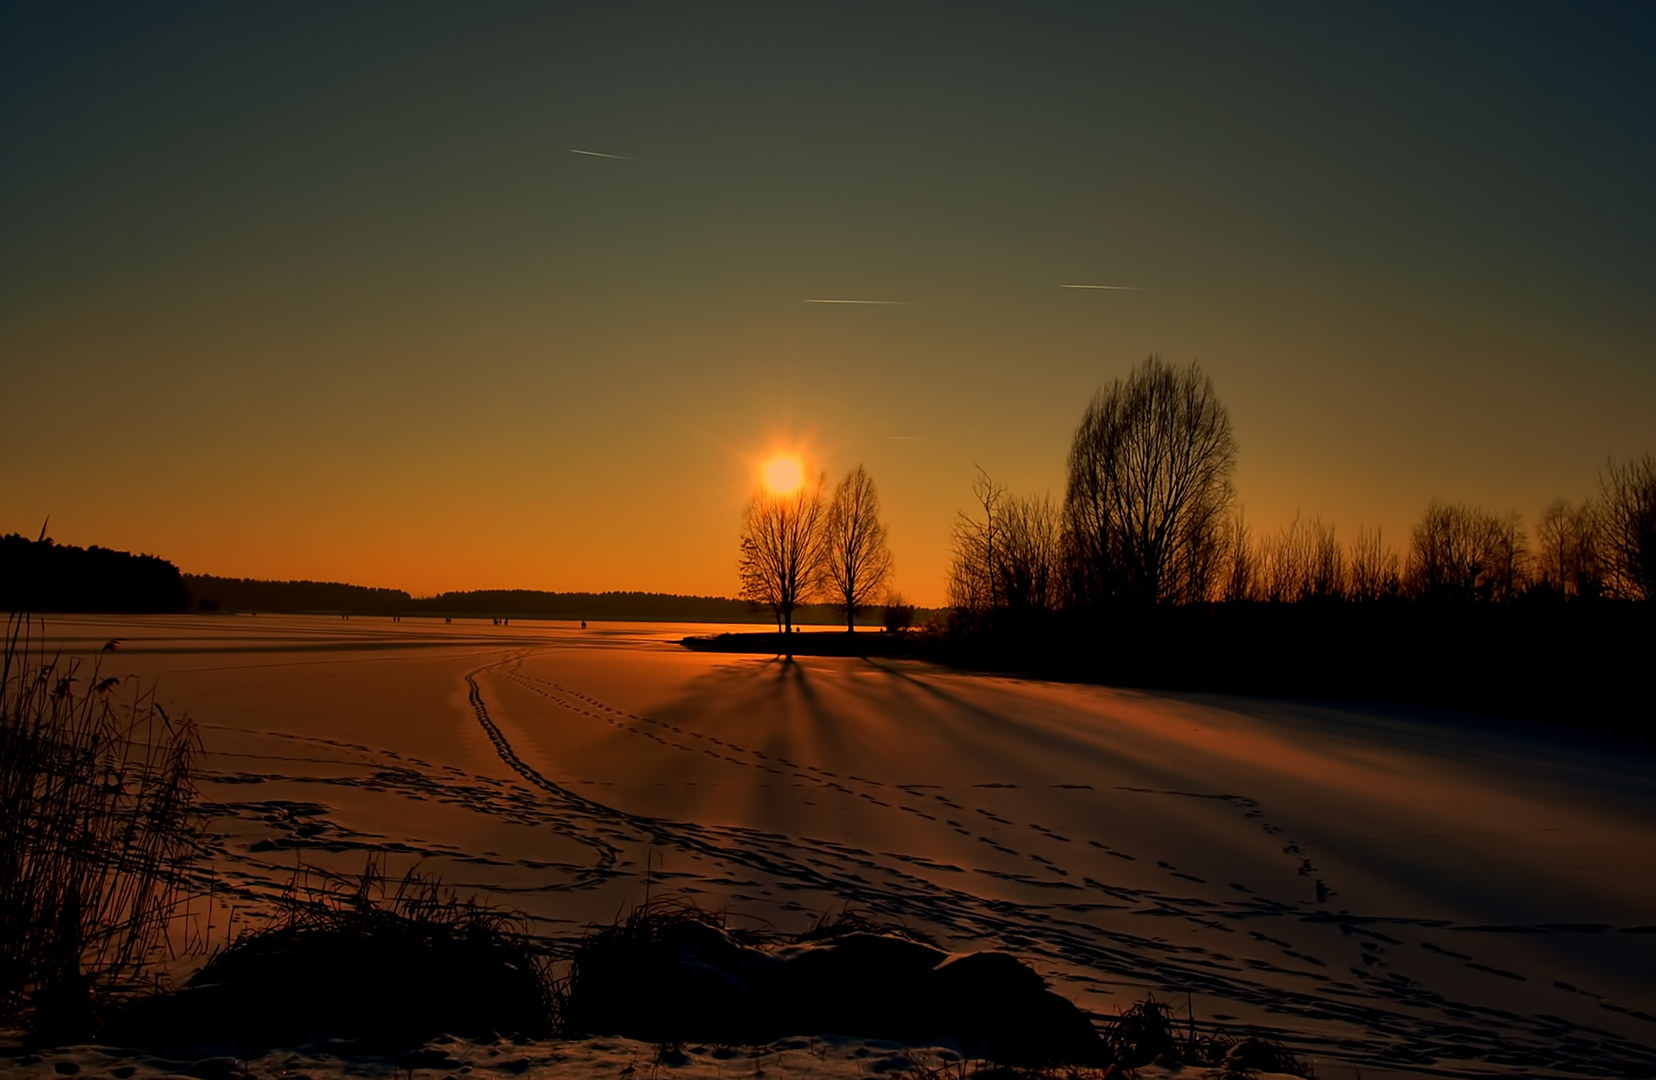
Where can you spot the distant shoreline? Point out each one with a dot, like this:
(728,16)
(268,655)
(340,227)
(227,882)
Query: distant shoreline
(812,643)
(331,598)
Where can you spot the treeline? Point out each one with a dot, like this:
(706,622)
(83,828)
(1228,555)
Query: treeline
(1149,516)
(613,606)
(1019,554)
(40,575)
(1147,573)
(610,606)
(211,593)
(331,598)
(624,606)
(218,594)
(43,576)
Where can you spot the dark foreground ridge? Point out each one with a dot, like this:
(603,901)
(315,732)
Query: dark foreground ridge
(671,972)
(382,971)
(377,974)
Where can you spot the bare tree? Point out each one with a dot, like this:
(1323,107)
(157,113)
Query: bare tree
(1587,569)
(1552,546)
(782,550)
(1029,563)
(857,560)
(1242,569)
(1459,552)
(1507,543)
(1010,558)
(1286,559)
(972,577)
(1149,487)
(1567,553)
(1627,526)
(1303,562)
(1326,579)
(1374,569)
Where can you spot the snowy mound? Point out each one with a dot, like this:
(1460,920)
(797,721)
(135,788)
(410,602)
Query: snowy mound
(678,977)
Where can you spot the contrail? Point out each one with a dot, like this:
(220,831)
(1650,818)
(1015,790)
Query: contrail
(909,438)
(856,301)
(596,153)
(1112,288)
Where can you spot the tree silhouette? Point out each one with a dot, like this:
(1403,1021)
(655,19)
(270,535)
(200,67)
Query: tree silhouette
(1011,558)
(1286,560)
(1627,525)
(1374,568)
(1149,487)
(1241,581)
(1552,547)
(857,561)
(972,576)
(1302,562)
(1460,552)
(1567,553)
(782,550)
(1030,561)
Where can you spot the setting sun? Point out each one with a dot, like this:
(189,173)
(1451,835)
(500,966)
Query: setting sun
(782,474)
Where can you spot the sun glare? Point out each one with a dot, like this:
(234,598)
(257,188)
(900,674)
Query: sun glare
(782,474)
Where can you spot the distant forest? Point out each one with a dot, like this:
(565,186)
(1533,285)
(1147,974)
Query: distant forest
(210,593)
(618,606)
(43,576)
(330,598)
(39,575)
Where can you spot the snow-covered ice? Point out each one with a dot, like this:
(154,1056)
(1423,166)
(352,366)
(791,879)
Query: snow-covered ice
(1387,888)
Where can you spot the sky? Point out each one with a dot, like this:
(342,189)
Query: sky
(517,295)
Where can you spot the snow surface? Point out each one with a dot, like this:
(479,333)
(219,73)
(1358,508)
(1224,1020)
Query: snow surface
(1389,889)
(598,1059)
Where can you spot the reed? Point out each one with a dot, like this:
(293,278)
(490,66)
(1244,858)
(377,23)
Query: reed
(99,829)
(388,963)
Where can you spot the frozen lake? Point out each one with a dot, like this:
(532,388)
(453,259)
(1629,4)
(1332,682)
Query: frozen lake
(1389,888)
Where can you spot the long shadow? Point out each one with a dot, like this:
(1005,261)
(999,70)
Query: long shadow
(1393,1014)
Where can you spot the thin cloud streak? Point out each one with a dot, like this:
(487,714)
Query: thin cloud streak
(909,438)
(856,301)
(1112,288)
(599,153)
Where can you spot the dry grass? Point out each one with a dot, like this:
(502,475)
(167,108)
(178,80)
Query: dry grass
(607,986)
(98,830)
(383,962)
(835,924)
(1149,1032)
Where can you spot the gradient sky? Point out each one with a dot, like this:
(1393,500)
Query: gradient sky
(321,290)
